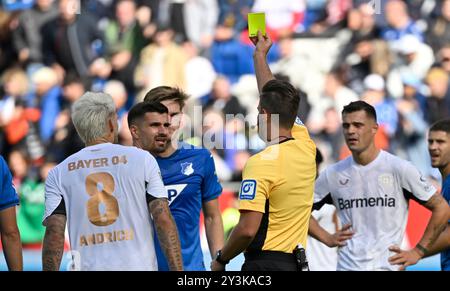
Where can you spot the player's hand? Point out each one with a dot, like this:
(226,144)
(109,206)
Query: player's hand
(216,266)
(404,258)
(339,239)
(262,43)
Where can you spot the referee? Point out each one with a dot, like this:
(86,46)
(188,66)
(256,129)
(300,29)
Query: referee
(276,193)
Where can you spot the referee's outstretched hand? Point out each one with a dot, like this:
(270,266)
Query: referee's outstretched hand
(339,239)
(262,43)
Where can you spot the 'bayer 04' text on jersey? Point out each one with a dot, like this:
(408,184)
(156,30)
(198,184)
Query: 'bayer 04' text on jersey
(374,200)
(103,188)
(190,178)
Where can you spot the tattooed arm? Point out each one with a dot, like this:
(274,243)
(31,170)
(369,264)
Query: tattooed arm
(437,224)
(167,232)
(53,247)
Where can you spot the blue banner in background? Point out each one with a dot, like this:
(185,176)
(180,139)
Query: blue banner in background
(13,5)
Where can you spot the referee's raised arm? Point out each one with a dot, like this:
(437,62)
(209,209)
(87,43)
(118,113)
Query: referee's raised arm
(262,70)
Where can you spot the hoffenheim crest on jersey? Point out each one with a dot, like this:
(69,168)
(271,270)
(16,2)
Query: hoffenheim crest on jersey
(187,169)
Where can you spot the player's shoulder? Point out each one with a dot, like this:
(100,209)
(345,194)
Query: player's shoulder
(195,151)
(397,163)
(341,166)
(263,160)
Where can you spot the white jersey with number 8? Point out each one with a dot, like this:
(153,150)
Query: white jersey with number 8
(104,188)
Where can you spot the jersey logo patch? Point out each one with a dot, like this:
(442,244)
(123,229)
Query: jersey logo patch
(248,190)
(174,191)
(187,169)
(344,182)
(386,182)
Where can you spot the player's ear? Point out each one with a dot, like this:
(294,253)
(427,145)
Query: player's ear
(375,128)
(111,125)
(134,131)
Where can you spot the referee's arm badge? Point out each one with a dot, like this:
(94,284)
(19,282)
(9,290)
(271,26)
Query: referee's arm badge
(248,190)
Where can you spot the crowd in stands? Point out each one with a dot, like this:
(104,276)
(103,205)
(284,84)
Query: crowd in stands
(393,54)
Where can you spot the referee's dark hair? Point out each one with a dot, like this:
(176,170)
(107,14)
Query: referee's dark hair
(441,125)
(280,97)
(139,110)
(358,106)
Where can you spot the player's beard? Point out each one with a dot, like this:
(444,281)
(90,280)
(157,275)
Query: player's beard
(162,148)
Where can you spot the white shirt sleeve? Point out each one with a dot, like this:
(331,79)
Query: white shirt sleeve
(53,194)
(415,184)
(153,178)
(322,193)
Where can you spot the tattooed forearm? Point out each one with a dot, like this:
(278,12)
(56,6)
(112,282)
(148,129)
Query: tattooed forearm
(167,233)
(437,230)
(53,246)
(438,221)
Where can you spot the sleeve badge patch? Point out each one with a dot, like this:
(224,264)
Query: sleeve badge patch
(248,190)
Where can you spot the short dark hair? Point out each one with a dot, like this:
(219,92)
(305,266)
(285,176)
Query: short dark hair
(361,105)
(138,111)
(163,93)
(280,97)
(441,125)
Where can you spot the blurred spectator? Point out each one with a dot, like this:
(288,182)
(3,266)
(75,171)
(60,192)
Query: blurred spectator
(399,22)
(19,163)
(416,57)
(199,71)
(361,25)
(117,91)
(438,34)
(65,140)
(8,22)
(69,41)
(229,56)
(282,16)
(437,104)
(27,37)
(412,129)
(147,16)
(233,14)
(212,129)
(171,14)
(48,99)
(375,95)
(222,100)
(124,40)
(335,96)
(32,206)
(19,124)
(289,63)
(200,18)
(444,58)
(15,87)
(358,63)
(161,63)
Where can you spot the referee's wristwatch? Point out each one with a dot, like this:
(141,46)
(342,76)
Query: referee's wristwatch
(219,258)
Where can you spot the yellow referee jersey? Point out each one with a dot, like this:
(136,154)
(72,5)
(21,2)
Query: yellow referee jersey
(279,182)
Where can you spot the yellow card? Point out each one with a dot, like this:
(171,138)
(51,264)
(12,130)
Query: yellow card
(256,21)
